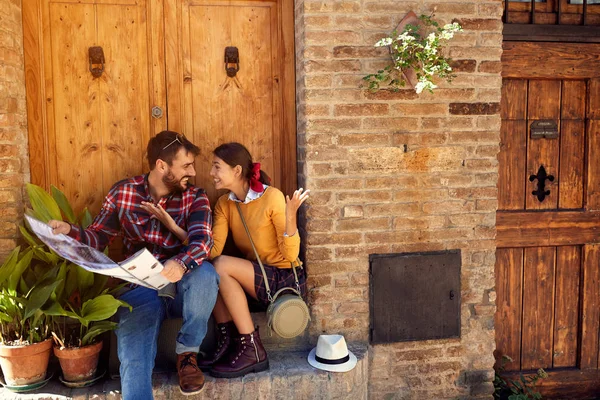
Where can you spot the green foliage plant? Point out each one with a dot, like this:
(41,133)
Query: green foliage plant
(79,305)
(23,291)
(522,388)
(416,48)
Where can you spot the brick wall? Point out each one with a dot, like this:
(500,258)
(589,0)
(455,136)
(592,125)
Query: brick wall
(14,164)
(400,172)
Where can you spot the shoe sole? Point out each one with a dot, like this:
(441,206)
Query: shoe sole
(190,393)
(258,367)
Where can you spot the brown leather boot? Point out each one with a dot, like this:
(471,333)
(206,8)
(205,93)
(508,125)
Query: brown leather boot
(225,334)
(191,379)
(249,355)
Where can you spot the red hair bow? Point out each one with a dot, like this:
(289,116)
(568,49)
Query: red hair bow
(255,183)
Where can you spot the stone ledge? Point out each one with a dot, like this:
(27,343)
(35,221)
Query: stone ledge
(289,377)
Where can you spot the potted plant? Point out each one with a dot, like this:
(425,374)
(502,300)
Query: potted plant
(25,329)
(417,54)
(80,304)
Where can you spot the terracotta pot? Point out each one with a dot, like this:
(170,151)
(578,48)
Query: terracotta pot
(24,365)
(78,364)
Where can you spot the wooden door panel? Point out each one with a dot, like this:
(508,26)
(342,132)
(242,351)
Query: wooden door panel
(256,106)
(543,104)
(509,303)
(239,109)
(74,129)
(125,101)
(593,165)
(538,301)
(92,131)
(559,236)
(566,307)
(572,144)
(590,313)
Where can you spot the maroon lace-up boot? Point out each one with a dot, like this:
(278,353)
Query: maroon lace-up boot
(225,334)
(247,356)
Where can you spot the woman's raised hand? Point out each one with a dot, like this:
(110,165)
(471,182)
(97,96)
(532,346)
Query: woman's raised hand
(159,213)
(293,203)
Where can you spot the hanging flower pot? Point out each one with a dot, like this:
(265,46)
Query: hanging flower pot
(78,364)
(24,365)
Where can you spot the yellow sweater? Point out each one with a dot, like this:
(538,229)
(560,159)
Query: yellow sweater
(265,218)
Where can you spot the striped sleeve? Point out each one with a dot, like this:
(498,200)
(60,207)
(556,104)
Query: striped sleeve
(200,238)
(104,228)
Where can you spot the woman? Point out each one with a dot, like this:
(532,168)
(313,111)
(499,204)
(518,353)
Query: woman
(271,220)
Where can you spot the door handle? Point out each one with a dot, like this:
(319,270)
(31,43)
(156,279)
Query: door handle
(232,61)
(96,57)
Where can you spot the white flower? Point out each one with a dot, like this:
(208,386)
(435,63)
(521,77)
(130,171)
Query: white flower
(424,84)
(384,42)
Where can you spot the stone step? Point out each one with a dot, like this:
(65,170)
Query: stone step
(166,357)
(289,377)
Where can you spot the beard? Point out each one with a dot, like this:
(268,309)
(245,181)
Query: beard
(174,184)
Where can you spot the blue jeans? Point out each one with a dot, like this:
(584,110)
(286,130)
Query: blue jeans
(137,333)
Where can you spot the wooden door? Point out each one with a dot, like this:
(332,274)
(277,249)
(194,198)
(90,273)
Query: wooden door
(548,239)
(256,106)
(86,132)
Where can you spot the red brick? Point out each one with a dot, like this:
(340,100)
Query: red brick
(317,110)
(318,81)
(319,225)
(451,8)
(422,222)
(474,108)
(343,183)
(361,109)
(480,24)
(411,110)
(363,225)
(333,125)
(368,139)
(368,21)
(353,308)
(365,195)
(399,124)
(490,67)
(359,52)
(387,94)
(311,6)
(317,52)
(391,7)
(448,207)
(10,165)
(333,38)
(332,66)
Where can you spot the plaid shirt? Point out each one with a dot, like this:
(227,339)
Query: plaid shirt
(122,213)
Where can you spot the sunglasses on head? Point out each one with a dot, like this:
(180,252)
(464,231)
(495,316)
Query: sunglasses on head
(179,138)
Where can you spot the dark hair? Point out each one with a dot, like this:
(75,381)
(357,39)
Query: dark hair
(165,146)
(236,154)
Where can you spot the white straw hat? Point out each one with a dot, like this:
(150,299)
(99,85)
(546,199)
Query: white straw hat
(332,354)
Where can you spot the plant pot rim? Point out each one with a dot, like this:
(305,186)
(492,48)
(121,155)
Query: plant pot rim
(77,352)
(15,351)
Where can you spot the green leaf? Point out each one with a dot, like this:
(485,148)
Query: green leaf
(43,204)
(9,264)
(85,280)
(56,310)
(101,308)
(39,295)
(17,272)
(85,218)
(96,329)
(63,204)
(29,238)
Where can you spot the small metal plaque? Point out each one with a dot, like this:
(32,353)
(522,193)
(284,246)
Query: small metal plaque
(544,129)
(414,296)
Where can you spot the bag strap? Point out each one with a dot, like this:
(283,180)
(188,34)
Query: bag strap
(262,268)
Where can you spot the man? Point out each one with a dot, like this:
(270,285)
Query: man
(171,159)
